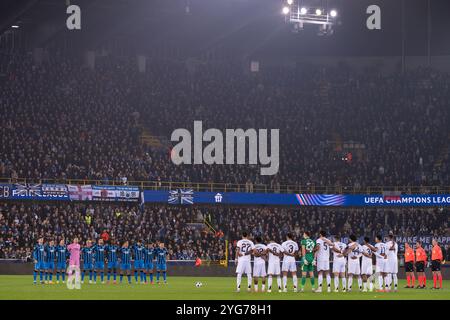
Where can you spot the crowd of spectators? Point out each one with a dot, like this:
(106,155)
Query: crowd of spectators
(65,121)
(185,233)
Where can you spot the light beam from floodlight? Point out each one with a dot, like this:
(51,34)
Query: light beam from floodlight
(303,10)
(318,12)
(285,10)
(333,13)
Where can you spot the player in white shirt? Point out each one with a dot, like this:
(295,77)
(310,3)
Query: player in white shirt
(354,268)
(379,250)
(392,262)
(339,264)
(290,250)
(275,252)
(322,252)
(259,264)
(244,249)
(366,265)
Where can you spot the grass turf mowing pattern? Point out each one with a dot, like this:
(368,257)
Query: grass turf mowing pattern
(183,288)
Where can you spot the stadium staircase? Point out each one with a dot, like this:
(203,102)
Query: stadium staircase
(151,140)
(444,155)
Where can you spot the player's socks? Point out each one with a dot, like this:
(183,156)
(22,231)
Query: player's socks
(328,280)
(386,282)
(63,274)
(359,282)
(434,280)
(303,282)
(145,277)
(129,278)
(312,281)
(165,276)
(380,282)
(121,278)
(46,276)
(424,281)
(51,277)
(320,280)
(408,280)
(249,280)
(336,283)
(350,282)
(413,279)
(41,275)
(279,282)
(344,283)
(151,277)
(109,275)
(82,276)
(136,276)
(34,275)
(95,276)
(57,275)
(157,276)
(102,276)
(238,280)
(394,276)
(284,282)
(90,275)
(269,282)
(295,281)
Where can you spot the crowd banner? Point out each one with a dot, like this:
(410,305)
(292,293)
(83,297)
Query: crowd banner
(37,191)
(181,196)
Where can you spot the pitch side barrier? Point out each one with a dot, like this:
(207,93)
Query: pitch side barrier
(108,193)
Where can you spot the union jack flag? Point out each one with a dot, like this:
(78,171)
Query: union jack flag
(28,190)
(181,196)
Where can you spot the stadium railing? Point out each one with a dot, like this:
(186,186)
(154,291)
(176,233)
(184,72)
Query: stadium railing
(252,188)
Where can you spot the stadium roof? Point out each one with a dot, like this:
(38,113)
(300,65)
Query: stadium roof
(250,27)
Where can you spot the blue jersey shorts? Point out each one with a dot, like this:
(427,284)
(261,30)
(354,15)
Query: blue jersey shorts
(125,266)
(40,265)
(50,265)
(149,266)
(113,265)
(87,266)
(138,264)
(161,267)
(61,266)
(100,265)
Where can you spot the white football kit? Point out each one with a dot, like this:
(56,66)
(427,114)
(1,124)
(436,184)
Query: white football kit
(288,261)
(392,259)
(354,266)
(323,255)
(259,264)
(339,263)
(380,265)
(274,261)
(244,265)
(366,263)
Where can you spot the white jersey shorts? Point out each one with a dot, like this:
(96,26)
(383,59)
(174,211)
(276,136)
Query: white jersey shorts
(354,266)
(381,265)
(323,265)
(259,270)
(339,266)
(274,268)
(289,266)
(392,266)
(244,267)
(366,268)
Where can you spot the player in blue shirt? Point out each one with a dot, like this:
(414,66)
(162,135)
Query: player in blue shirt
(149,255)
(125,262)
(161,254)
(113,251)
(99,257)
(138,255)
(50,256)
(39,260)
(87,256)
(62,255)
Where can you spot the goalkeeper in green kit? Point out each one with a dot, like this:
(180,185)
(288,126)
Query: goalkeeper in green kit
(308,262)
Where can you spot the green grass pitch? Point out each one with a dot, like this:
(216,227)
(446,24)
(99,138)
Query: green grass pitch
(183,288)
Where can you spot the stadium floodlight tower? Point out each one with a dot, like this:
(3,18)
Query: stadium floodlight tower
(298,13)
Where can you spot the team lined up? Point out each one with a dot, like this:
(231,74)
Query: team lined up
(351,260)
(49,258)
